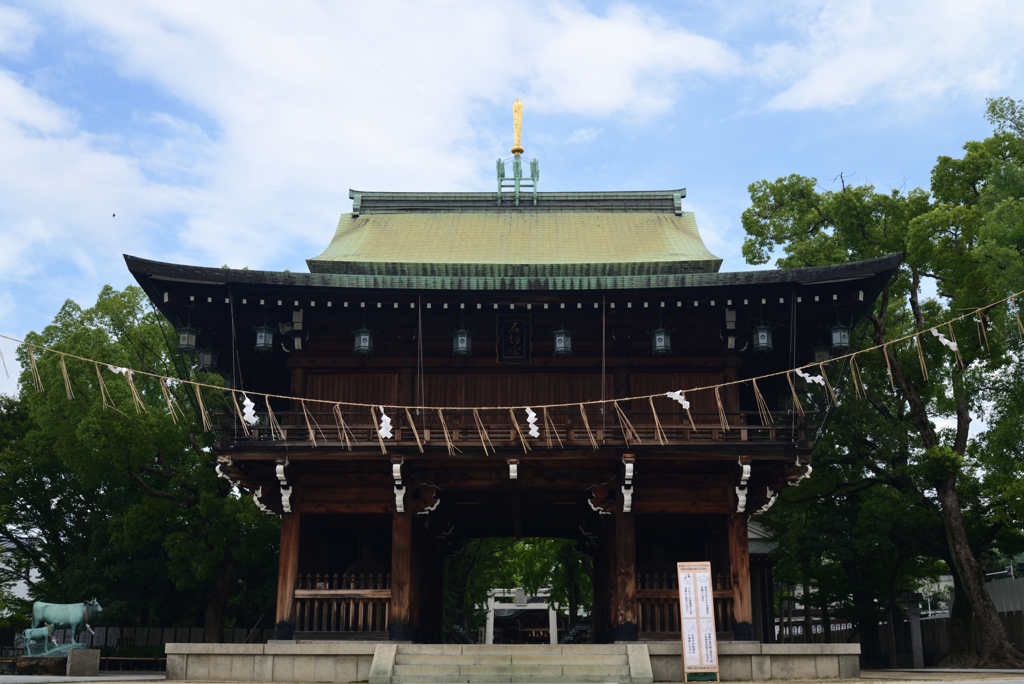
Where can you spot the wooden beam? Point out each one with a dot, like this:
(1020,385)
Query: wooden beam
(288,567)
(370,508)
(401,568)
(343,593)
(625,568)
(739,567)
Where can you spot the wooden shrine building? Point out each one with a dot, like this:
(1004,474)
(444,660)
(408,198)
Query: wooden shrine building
(497,302)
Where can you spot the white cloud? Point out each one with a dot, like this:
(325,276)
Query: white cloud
(862,50)
(17,32)
(584,135)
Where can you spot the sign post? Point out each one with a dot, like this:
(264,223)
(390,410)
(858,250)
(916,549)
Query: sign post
(697,617)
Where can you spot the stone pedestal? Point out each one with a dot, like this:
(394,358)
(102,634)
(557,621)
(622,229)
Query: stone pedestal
(83,662)
(41,665)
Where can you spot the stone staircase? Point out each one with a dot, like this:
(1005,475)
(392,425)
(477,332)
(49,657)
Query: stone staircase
(451,663)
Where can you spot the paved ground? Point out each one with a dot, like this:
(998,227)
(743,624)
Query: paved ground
(125,678)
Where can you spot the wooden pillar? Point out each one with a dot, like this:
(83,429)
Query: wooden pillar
(739,570)
(625,616)
(287,574)
(400,621)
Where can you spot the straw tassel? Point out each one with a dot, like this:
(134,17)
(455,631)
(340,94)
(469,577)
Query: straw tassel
(549,429)
(140,407)
(447,437)
(485,439)
(275,427)
(4,362)
(721,411)
(172,403)
(762,407)
(796,399)
(586,424)
(67,380)
(979,321)
(108,401)
(408,416)
(658,431)
(515,423)
(312,433)
(858,380)
(920,356)
(238,412)
(885,353)
(36,379)
(952,337)
(376,430)
(1013,304)
(345,435)
(202,408)
(828,385)
(629,433)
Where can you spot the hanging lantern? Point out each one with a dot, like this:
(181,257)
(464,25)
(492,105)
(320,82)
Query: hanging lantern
(840,338)
(822,353)
(207,359)
(563,341)
(661,341)
(264,338)
(462,341)
(187,339)
(363,341)
(763,337)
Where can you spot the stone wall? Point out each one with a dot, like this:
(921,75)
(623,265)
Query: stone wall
(281,662)
(746,661)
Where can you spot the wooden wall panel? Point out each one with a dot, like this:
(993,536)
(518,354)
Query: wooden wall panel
(363,388)
(702,404)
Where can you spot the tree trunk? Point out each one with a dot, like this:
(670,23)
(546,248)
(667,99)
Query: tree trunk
(570,568)
(808,618)
(217,599)
(996,649)
(895,623)
(961,650)
(826,619)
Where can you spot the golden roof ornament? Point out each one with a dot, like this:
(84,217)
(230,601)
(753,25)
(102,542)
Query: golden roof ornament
(517,119)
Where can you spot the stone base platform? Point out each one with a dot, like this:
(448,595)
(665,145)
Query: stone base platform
(393,663)
(741,661)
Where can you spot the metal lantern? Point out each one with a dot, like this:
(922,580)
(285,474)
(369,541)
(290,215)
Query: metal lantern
(462,342)
(264,338)
(840,338)
(207,359)
(187,339)
(363,341)
(822,353)
(563,341)
(763,337)
(661,341)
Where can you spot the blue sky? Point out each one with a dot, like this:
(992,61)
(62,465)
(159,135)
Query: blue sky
(230,132)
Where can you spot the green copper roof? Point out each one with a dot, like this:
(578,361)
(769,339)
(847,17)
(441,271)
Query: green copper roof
(467,235)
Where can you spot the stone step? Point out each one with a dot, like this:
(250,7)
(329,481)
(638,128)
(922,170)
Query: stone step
(519,679)
(555,670)
(517,659)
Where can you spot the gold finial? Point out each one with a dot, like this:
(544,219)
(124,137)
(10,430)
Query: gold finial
(517,118)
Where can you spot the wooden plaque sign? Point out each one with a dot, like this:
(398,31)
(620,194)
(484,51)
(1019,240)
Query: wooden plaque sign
(514,338)
(697,618)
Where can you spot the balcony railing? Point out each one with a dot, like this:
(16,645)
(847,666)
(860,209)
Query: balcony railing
(657,603)
(567,429)
(342,603)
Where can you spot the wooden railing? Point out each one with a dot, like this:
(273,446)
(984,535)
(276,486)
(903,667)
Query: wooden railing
(342,603)
(744,427)
(657,603)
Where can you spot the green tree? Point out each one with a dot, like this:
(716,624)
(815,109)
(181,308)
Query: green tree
(140,479)
(968,241)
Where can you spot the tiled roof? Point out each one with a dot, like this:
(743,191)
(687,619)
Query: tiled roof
(468,235)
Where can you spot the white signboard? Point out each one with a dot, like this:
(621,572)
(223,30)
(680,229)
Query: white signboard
(697,613)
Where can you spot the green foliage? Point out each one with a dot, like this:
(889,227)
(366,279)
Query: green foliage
(503,563)
(872,507)
(121,501)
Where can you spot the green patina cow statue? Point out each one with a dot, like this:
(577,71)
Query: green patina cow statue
(60,615)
